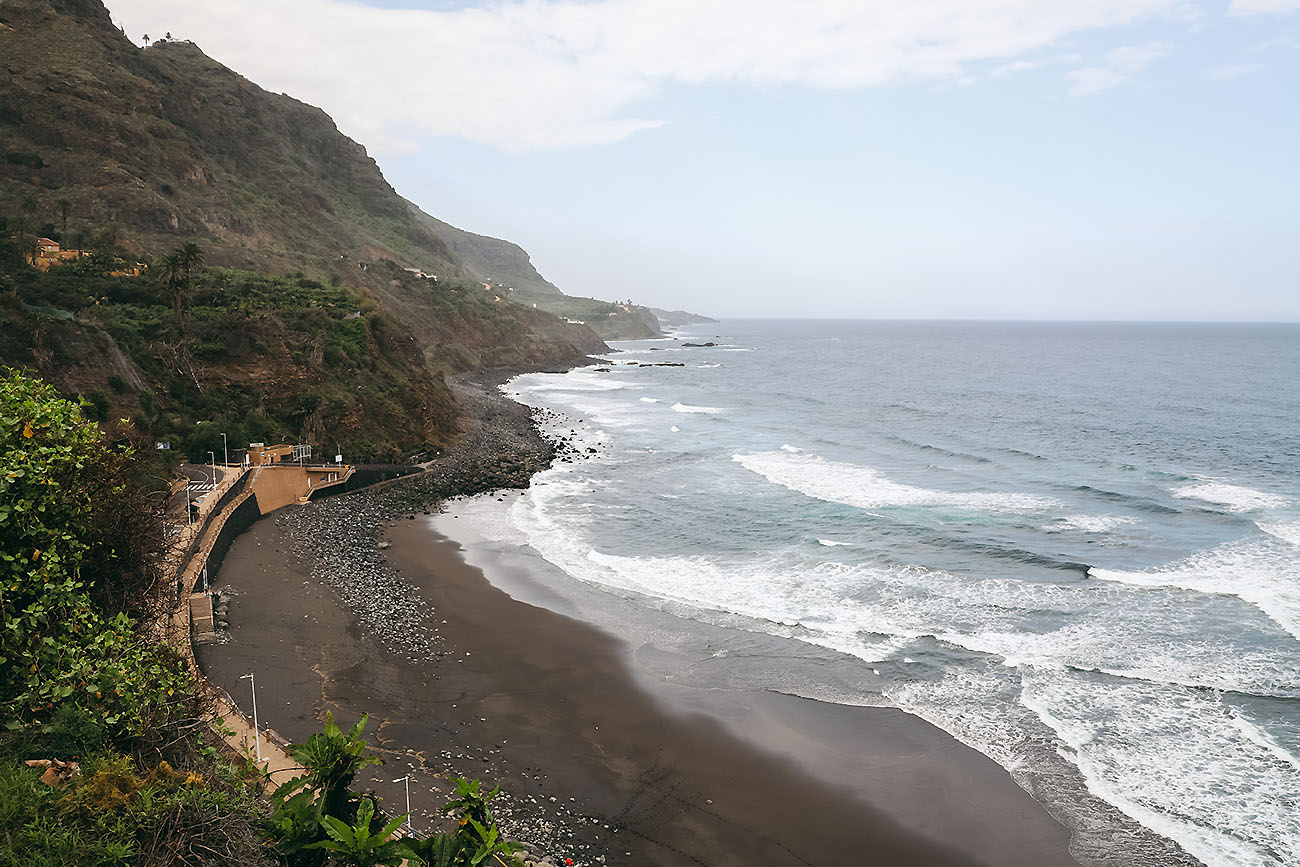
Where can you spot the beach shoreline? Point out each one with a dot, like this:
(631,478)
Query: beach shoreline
(595,764)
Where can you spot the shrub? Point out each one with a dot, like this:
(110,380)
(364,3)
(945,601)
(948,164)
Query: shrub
(77,561)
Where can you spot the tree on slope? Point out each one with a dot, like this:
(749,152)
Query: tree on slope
(172,275)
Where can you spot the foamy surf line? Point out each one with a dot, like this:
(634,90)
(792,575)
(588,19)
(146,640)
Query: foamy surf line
(1235,498)
(866,488)
(1263,574)
(1135,745)
(705,410)
(1286,531)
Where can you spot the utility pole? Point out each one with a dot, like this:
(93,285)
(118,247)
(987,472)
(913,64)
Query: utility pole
(213,458)
(225,452)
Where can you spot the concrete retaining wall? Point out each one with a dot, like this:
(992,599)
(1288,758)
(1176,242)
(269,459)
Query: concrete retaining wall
(243,517)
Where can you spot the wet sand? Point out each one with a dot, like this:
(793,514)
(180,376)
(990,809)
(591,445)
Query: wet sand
(549,708)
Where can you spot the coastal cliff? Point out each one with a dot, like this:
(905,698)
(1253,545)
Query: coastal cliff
(320,300)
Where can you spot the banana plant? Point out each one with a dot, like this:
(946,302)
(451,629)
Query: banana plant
(357,846)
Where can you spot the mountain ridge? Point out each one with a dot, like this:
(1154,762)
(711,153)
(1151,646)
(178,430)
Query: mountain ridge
(172,146)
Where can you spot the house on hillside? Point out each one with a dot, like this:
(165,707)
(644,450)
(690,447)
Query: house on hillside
(48,253)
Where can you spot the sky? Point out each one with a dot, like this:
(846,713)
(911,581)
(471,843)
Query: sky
(986,159)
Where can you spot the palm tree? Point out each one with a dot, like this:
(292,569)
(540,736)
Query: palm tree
(20,234)
(108,238)
(191,258)
(172,275)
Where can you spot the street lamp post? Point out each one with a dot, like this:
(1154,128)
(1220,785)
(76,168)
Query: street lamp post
(188,499)
(407,779)
(225,452)
(257,737)
(213,458)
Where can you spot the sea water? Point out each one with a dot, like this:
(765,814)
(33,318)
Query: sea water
(1075,547)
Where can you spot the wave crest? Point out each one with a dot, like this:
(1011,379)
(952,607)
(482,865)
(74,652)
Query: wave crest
(866,488)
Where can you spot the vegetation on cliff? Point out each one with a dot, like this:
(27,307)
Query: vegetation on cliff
(259,358)
(308,322)
(106,752)
(82,676)
(168,146)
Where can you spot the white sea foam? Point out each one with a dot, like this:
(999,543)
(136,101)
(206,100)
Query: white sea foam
(866,488)
(577,380)
(1286,531)
(1138,745)
(687,408)
(707,366)
(1234,497)
(947,703)
(831,543)
(650,400)
(1263,573)
(794,450)
(1089,523)
(1116,735)
(854,607)
(675,429)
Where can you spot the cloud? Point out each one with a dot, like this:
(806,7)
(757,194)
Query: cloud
(1263,7)
(1235,71)
(1017,66)
(1118,66)
(530,74)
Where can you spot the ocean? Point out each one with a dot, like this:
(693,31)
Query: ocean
(1074,547)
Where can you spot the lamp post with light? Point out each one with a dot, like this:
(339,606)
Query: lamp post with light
(407,779)
(257,737)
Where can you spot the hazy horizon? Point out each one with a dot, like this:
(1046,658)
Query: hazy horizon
(1001,159)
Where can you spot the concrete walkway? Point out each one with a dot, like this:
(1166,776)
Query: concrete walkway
(276,763)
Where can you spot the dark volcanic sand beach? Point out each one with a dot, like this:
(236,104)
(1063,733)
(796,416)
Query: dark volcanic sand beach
(549,707)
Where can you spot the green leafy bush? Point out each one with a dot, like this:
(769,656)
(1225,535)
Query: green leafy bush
(67,565)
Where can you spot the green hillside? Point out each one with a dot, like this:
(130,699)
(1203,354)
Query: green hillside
(306,320)
(163,145)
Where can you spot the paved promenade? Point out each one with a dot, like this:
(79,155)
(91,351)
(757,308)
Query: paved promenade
(276,763)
